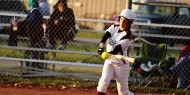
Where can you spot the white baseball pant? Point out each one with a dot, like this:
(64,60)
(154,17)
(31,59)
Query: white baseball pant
(120,71)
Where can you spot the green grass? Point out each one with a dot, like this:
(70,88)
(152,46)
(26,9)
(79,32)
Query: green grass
(79,58)
(17,54)
(59,56)
(89,35)
(87,47)
(53,81)
(159,90)
(73,69)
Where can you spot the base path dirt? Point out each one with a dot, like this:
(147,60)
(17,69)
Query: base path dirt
(54,91)
(43,91)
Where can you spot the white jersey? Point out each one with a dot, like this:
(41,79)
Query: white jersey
(117,39)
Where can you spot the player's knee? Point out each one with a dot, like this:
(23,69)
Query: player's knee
(103,83)
(102,86)
(123,89)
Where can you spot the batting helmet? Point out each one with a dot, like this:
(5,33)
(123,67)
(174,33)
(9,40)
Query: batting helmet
(129,14)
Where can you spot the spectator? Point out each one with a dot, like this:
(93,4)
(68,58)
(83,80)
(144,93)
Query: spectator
(61,24)
(45,11)
(180,72)
(184,52)
(32,28)
(44,7)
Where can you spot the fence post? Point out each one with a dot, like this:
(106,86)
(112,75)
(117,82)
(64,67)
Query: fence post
(129,4)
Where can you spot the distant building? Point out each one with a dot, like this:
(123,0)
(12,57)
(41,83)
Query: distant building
(100,9)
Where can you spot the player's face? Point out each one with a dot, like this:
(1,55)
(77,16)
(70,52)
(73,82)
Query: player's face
(61,7)
(124,23)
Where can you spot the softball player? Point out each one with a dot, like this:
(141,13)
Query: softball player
(118,40)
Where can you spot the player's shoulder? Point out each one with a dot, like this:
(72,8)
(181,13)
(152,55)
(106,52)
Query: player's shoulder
(69,10)
(114,26)
(35,10)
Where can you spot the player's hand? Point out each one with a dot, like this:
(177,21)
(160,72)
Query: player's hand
(14,22)
(100,50)
(56,22)
(44,26)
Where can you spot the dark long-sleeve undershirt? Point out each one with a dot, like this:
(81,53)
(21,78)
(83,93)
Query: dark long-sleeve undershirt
(105,37)
(116,50)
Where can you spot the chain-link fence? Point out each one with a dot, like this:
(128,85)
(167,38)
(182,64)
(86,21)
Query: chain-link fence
(164,22)
(34,41)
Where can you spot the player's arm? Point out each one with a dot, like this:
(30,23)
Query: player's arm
(71,18)
(106,35)
(123,44)
(116,50)
(102,42)
(129,59)
(104,38)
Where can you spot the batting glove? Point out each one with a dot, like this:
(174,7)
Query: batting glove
(100,50)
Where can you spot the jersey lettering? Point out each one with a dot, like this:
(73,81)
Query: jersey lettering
(112,42)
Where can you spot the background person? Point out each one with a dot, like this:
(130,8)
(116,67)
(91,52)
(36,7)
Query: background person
(44,7)
(118,37)
(32,25)
(179,73)
(45,11)
(61,24)
(184,52)
(32,28)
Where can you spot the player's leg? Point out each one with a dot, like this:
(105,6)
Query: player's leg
(72,33)
(28,54)
(107,75)
(53,35)
(37,42)
(63,38)
(12,41)
(40,55)
(122,72)
(183,78)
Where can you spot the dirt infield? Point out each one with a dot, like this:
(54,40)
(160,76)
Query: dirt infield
(52,91)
